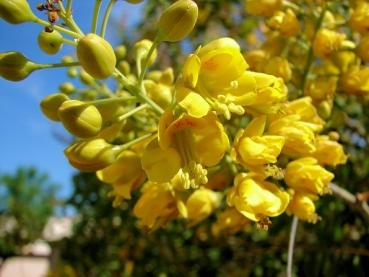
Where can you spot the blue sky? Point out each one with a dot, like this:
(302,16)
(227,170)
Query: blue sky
(26,135)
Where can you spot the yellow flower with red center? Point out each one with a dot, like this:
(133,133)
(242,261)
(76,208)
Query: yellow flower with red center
(185,145)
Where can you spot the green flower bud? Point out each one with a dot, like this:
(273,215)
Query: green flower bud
(67,88)
(96,56)
(110,111)
(80,119)
(15,67)
(120,52)
(51,103)
(142,48)
(16,11)
(68,59)
(178,20)
(86,78)
(50,43)
(72,72)
(91,155)
(89,95)
(124,67)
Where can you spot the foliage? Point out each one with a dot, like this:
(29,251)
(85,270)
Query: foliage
(27,201)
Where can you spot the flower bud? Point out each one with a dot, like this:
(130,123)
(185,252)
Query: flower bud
(67,88)
(51,103)
(86,78)
(142,48)
(16,11)
(91,155)
(178,20)
(80,119)
(96,56)
(50,43)
(120,52)
(15,67)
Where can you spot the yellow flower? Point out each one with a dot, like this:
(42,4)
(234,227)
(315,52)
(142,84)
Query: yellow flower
(201,203)
(329,152)
(207,73)
(221,63)
(356,81)
(124,175)
(186,143)
(284,22)
(255,198)
(259,93)
(302,206)
(252,148)
(307,175)
(278,67)
(306,110)
(299,135)
(320,89)
(256,59)
(156,206)
(359,20)
(229,222)
(326,42)
(362,48)
(262,7)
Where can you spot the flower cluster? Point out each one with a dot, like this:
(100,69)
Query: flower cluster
(239,130)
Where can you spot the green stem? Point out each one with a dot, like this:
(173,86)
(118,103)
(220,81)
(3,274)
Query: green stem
(132,112)
(106,17)
(58,28)
(69,7)
(137,92)
(111,100)
(69,19)
(95,16)
(146,61)
(310,58)
(56,65)
(133,142)
(69,42)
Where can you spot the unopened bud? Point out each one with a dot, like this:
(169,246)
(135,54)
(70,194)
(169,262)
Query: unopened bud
(120,52)
(178,20)
(96,56)
(16,11)
(51,103)
(142,48)
(15,67)
(67,88)
(86,78)
(50,43)
(80,119)
(91,155)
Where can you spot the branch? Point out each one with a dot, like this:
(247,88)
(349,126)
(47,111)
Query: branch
(352,200)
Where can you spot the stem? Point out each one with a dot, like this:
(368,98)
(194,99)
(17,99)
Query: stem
(95,16)
(69,19)
(111,100)
(69,7)
(291,245)
(132,112)
(106,17)
(69,42)
(137,92)
(310,58)
(56,65)
(353,201)
(133,142)
(58,28)
(146,61)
